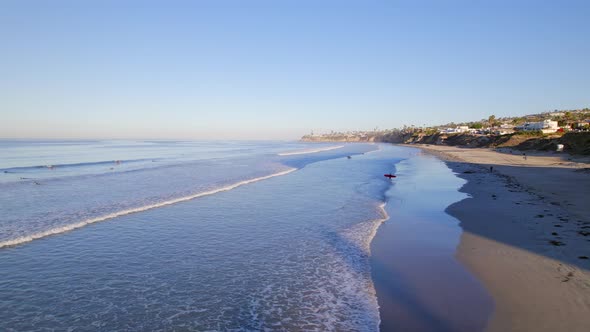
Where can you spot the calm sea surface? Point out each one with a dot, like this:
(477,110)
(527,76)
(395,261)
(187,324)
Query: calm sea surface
(162,235)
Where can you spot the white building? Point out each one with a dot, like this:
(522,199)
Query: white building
(546,126)
(456,130)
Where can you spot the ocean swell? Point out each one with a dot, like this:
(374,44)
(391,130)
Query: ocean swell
(69,227)
(308,151)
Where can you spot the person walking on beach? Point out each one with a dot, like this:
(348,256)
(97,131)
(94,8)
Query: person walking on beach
(524,156)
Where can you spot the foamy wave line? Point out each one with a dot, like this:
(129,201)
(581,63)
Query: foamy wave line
(80,224)
(361,235)
(378,148)
(310,151)
(378,222)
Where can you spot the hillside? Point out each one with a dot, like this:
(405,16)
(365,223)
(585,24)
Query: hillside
(570,128)
(574,142)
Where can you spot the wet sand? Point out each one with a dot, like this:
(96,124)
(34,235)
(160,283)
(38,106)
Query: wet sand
(526,235)
(420,284)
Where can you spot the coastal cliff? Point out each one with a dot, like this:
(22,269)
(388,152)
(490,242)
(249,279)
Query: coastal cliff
(574,143)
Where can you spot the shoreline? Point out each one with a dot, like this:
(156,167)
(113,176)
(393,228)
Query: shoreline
(420,285)
(525,235)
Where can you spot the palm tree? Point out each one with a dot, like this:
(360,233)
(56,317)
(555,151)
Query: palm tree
(492,120)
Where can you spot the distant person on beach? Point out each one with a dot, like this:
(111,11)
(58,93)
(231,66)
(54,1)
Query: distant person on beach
(524,156)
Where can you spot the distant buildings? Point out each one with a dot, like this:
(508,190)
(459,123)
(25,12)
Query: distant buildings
(572,120)
(456,130)
(546,126)
(557,113)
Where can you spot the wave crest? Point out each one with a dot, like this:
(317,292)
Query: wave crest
(66,228)
(307,151)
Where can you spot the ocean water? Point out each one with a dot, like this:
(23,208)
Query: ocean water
(199,236)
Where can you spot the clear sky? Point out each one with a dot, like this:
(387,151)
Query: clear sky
(278,69)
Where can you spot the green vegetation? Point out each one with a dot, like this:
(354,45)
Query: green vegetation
(517,121)
(430,131)
(531,133)
(577,142)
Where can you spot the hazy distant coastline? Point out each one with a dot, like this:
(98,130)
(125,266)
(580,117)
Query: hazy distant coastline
(545,132)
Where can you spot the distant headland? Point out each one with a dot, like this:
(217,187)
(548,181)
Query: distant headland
(567,130)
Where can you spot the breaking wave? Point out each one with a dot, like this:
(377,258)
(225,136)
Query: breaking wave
(66,228)
(307,151)
(94,163)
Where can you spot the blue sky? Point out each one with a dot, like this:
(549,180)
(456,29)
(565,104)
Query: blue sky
(278,69)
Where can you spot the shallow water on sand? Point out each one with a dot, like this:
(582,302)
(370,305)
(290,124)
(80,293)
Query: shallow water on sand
(420,284)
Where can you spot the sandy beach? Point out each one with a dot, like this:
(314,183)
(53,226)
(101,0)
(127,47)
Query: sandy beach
(526,234)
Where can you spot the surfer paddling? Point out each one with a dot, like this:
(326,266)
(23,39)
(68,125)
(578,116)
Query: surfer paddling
(390,176)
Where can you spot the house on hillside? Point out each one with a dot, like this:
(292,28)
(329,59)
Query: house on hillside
(456,130)
(546,126)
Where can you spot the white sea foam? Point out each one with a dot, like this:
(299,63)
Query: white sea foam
(360,236)
(291,153)
(377,150)
(83,223)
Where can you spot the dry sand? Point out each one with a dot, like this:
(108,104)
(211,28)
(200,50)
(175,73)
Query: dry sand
(526,235)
